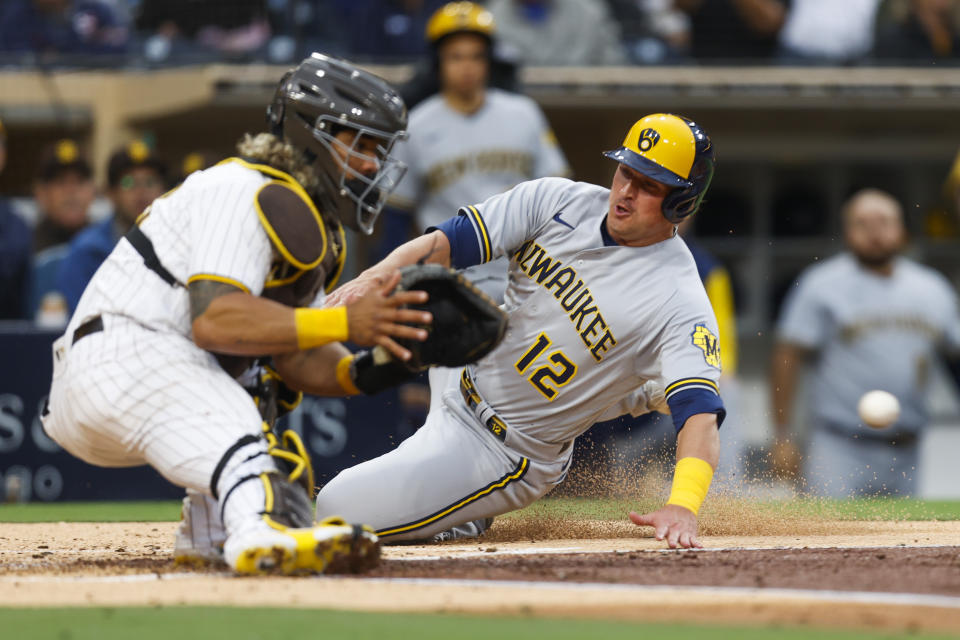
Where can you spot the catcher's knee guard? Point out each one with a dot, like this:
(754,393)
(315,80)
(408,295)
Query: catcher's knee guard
(291,457)
(274,399)
(285,504)
(283,468)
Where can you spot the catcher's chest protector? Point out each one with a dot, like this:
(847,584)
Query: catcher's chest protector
(310,248)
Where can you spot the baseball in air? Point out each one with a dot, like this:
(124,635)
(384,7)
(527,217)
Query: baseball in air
(878,409)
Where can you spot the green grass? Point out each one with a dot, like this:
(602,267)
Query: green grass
(152,511)
(591,508)
(859,509)
(250,624)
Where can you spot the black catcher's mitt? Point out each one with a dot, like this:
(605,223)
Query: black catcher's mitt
(467,324)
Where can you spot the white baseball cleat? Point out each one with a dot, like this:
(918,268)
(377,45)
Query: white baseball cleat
(200,535)
(330,546)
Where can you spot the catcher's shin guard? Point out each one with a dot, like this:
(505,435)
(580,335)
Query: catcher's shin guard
(291,457)
(281,543)
(269,516)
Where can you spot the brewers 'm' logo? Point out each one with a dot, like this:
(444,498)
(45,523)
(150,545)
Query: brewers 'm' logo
(648,139)
(702,338)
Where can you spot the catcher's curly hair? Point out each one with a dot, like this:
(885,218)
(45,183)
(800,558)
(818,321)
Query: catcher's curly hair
(269,149)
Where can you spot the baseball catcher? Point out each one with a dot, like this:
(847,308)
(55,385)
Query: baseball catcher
(227,272)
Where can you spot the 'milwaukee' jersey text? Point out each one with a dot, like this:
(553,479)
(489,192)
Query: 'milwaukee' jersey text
(577,300)
(590,320)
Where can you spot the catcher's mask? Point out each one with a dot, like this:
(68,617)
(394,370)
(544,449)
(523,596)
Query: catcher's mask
(673,150)
(318,99)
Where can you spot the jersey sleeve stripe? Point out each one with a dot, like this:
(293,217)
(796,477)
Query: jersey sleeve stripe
(691,401)
(687,383)
(484,234)
(465,245)
(496,485)
(216,278)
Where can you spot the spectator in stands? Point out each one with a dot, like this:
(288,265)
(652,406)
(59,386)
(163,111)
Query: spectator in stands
(50,27)
(740,30)
(828,32)
(386,30)
(135,178)
(15,252)
(654,31)
(468,142)
(64,192)
(238,28)
(866,319)
(559,32)
(919,30)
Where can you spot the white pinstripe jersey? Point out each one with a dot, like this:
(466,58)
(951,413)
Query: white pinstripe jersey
(590,322)
(207,228)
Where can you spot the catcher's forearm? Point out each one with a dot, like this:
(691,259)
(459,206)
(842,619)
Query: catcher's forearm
(313,371)
(245,325)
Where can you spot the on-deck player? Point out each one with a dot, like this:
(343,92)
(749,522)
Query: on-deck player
(605,303)
(226,268)
(469,141)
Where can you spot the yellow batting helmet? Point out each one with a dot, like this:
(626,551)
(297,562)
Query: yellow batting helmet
(459,17)
(675,151)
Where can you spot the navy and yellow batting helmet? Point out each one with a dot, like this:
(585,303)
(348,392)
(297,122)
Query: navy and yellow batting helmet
(459,17)
(675,151)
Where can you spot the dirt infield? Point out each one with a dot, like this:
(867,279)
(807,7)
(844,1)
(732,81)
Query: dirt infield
(884,575)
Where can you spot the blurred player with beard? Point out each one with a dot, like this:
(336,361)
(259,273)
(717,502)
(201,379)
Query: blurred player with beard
(872,319)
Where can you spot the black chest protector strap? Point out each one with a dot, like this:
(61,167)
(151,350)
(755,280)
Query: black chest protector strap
(144,247)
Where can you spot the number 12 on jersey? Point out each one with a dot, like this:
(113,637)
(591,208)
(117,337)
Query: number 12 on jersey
(548,378)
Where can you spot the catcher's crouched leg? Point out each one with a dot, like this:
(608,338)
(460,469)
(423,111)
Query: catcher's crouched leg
(201,534)
(269,520)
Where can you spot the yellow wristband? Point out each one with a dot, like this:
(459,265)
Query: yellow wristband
(343,375)
(317,327)
(691,481)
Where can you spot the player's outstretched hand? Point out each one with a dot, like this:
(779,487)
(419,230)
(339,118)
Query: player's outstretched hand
(676,524)
(376,317)
(352,291)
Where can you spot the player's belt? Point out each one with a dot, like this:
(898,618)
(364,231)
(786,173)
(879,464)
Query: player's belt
(493,423)
(93,325)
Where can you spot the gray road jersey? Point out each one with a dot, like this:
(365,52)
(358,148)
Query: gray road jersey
(870,332)
(454,158)
(589,323)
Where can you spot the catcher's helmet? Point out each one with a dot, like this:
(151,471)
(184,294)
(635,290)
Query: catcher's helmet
(673,150)
(459,17)
(323,96)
